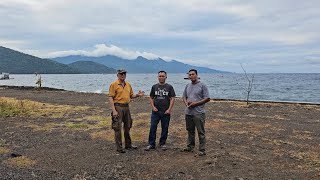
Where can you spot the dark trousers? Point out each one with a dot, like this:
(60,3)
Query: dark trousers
(125,118)
(165,120)
(193,122)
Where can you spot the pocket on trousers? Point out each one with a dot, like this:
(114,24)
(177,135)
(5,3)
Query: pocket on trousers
(115,123)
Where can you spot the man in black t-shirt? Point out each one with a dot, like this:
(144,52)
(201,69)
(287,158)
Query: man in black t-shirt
(161,100)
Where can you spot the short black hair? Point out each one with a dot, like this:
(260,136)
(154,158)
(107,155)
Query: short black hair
(162,72)
(194,70)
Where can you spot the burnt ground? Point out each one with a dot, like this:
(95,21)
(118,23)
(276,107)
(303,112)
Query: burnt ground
(67,135)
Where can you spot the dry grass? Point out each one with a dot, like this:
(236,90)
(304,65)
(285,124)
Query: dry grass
(178,131)
(303,135)
(277,142)
(91,122)
(228,115)
(2,142)
(235,127)
(145,116)
(312,107)
(7,109)
(22,162)
(83,176)
(103,121)
(308,160)
(46,127)
(4,150)
(239,104)
(79,126)
(107,135)
(241,155)
(13,107)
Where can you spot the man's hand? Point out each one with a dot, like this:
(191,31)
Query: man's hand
(191,104)
(115,114)
(168,111)
(154,109)
(140,93)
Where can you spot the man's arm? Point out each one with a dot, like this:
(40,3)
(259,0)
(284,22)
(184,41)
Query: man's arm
(172,99)
(171,103)
(168,111)
(185,101)
(184,96)
(152,104)
(111,102)
(140,94)
(199,103)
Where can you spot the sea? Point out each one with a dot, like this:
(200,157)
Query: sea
(286,87)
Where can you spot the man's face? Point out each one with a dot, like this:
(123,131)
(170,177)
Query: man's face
(193,76)
(162,77)
(122,76)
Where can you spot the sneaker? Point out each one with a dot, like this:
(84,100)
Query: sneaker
(201,153)
(163,147)
(149,147)
(187,149)
(121,151)
(131,147)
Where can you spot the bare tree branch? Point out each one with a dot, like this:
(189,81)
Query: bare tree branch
(250,83)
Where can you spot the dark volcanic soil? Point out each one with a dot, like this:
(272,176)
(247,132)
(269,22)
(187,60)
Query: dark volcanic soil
(260,141)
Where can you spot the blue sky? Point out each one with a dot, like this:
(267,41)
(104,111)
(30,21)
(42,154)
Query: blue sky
(265,36)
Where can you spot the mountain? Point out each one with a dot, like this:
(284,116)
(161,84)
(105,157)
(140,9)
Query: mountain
(138,65)
(15,62)
(89,67)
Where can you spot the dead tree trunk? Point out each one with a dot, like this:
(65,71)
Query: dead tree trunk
(250,82)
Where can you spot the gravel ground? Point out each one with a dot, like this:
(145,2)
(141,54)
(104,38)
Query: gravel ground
(259,141)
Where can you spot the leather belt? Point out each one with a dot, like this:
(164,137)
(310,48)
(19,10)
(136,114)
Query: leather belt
(121,104)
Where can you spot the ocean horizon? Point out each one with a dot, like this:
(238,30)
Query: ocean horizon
(282,87)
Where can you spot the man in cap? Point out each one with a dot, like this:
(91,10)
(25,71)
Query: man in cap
(120,94)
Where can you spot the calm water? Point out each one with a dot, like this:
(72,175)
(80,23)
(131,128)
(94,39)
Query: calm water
(273,87)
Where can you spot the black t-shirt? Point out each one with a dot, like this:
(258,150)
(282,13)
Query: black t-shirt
(161,95)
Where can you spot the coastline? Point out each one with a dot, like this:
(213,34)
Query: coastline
(212,99)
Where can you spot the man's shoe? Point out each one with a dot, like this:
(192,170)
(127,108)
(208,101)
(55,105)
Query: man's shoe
(149,147)
(121,151)
(131,147)
(163,147)
(201,153)
(187,149)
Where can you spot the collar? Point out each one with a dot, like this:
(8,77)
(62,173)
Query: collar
(119,82)
(162,84)
(195,82)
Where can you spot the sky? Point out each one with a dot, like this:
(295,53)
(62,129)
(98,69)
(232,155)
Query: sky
(264,36)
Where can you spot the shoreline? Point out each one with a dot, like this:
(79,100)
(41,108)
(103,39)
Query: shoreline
(211,100)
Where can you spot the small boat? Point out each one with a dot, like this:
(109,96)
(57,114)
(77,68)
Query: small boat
(5,76)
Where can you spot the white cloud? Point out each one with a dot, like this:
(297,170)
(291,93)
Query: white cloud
(103,50)
(11,43)
(188,30)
